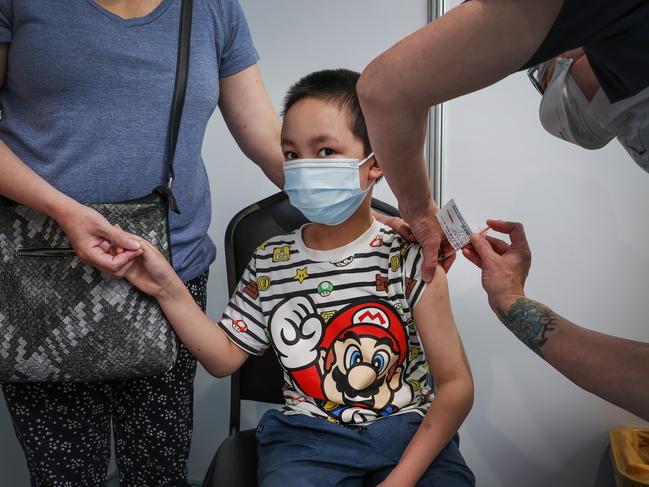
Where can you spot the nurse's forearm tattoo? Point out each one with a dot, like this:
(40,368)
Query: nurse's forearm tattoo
(531,322)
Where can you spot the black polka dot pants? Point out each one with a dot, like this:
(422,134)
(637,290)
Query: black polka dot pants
(65,428)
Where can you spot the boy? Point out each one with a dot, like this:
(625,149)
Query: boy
(342,303)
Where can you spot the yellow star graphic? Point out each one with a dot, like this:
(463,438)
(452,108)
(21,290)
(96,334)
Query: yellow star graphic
(301,275)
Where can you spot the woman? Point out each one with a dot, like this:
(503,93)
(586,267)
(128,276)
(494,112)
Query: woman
(85,99)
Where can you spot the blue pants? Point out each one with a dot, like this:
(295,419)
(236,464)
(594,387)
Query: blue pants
(299,450)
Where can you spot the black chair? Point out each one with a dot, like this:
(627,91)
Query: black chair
(261,378)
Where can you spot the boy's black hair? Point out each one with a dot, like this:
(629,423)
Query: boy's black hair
(337,86)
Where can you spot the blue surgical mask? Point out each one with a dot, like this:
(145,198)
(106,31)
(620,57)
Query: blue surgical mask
(326,191)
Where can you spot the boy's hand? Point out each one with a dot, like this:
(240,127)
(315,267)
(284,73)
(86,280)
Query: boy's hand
(152,273)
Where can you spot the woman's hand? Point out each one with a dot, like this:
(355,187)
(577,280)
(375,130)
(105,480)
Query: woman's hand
(430,236)
(430,257)
(152,274)
(504,267)
(396,224)
(92,236)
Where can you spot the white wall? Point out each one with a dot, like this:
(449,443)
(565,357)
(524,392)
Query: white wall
(585,215)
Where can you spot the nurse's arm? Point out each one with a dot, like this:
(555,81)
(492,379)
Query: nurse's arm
(450,369)
(253,121)
(472,46)
(612,368)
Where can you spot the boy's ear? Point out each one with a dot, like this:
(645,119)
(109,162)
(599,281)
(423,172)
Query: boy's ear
(376,171)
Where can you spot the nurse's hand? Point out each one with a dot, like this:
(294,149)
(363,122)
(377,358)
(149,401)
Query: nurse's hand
(429,234)
(504,267)
(430,260)
(89,232)
(397,224)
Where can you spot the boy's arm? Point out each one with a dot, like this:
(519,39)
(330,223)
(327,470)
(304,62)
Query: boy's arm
(452,375)
(152,274)
(202,337)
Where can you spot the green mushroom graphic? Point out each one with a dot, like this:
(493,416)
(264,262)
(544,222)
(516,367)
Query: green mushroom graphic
(325,288)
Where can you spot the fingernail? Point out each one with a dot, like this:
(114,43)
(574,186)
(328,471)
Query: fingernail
(133,244)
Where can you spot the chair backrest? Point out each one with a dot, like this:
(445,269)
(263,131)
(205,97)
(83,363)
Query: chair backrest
(261,378)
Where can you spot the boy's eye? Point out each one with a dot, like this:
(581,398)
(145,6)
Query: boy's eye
(290,155)
(326,152)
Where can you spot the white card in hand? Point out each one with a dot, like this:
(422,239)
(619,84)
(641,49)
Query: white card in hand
(455,227)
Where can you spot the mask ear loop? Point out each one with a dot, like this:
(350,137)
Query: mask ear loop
(366,159)
(363,162)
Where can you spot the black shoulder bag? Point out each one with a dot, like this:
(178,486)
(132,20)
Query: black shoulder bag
(61,319)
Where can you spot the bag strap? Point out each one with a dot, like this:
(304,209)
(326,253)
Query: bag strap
(180,87)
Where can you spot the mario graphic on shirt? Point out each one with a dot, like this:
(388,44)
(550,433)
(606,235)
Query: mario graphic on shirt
(353,365)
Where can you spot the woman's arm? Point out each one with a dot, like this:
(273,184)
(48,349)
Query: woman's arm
(85,228)
(152,274)
(252,120)
(613,368)
(450,369)
(472,46)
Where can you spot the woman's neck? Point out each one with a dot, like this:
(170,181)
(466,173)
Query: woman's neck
(129,10)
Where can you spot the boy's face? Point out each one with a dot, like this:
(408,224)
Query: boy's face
(317,129)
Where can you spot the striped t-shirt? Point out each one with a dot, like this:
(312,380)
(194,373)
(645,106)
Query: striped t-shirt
(340,322)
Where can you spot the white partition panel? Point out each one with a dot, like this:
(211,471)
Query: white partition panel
(585,214)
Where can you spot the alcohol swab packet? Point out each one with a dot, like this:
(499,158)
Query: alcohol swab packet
(455,227)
